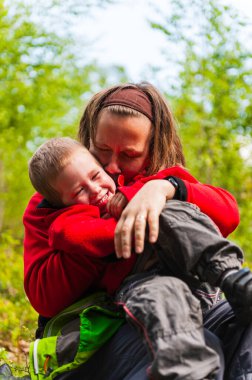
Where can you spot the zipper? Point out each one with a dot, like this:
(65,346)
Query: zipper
(35,357)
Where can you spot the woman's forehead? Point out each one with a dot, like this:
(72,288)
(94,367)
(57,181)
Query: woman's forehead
(115,128)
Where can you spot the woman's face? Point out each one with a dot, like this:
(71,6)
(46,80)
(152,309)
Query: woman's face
(122,143)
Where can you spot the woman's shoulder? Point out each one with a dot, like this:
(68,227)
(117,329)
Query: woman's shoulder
(176,171)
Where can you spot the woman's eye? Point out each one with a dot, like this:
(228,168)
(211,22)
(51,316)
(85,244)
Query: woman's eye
(103,150)
(128,157)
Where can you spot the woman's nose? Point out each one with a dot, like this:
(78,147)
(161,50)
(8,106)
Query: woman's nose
(112,166)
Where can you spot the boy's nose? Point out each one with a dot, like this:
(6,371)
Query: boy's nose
(94,190)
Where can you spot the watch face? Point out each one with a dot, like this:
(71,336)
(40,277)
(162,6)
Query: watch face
(173,182)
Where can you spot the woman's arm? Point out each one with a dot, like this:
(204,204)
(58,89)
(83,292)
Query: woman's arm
(144,208)
(146,205)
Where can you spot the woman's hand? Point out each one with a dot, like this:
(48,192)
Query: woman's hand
(145,207)
(116,205)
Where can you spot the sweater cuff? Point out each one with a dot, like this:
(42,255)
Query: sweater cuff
(181,190)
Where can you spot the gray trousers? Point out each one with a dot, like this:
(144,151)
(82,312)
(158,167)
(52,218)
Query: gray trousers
(163,307)
(169,318)
(189,244)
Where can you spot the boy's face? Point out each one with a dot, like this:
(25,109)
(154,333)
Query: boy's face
(83,181)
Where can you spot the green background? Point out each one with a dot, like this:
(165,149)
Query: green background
(45,82)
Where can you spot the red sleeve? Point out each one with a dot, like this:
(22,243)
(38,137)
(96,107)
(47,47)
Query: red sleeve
(215,202)
(53,279)
(81,230)
(176,171)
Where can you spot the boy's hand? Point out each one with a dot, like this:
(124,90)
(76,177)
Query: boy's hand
(116,205)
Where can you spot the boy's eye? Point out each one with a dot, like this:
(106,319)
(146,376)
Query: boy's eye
(80,191)
(95,176)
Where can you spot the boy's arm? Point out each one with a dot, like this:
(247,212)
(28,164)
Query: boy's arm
(215,202)
(53,279)
(80,230)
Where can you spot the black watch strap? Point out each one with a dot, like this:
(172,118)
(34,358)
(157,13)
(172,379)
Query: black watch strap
(180,188)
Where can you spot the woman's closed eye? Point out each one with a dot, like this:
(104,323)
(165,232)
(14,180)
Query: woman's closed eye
(129,156)
(105,150)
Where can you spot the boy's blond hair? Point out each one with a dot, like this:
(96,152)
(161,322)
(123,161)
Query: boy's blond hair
(48,162)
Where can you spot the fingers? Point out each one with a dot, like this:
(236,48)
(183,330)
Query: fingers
(140,226)
(152,218)
(153,222)
(145,207)
(116,205)
(123,237)
(126,228)
(129,226)
(111,205)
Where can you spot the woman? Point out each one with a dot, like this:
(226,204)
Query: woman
(127,143)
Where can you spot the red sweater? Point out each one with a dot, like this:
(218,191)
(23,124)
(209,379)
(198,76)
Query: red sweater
(67,252)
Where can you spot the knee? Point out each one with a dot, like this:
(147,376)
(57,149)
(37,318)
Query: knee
(178,211)
(166,292)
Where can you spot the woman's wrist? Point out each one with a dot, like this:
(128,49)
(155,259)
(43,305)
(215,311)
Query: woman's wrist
(167,188)
(180,188)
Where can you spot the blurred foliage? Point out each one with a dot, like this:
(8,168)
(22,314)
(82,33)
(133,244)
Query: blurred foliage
(18,319)
(44,84)
(212,98)
(42,94)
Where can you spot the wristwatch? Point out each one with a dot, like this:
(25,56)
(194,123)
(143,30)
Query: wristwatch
(180,188)
(173,182)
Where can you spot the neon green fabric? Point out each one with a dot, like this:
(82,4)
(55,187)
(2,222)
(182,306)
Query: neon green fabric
(97,326)
(73,336)
(55,324)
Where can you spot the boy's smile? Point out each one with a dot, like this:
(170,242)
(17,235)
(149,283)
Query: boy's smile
(83,181)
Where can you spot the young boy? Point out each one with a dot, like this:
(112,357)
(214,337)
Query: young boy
(72,181)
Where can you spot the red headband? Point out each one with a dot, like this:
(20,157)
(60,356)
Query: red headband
(132,98)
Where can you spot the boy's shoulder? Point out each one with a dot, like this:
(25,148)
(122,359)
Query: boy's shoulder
(38,208)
